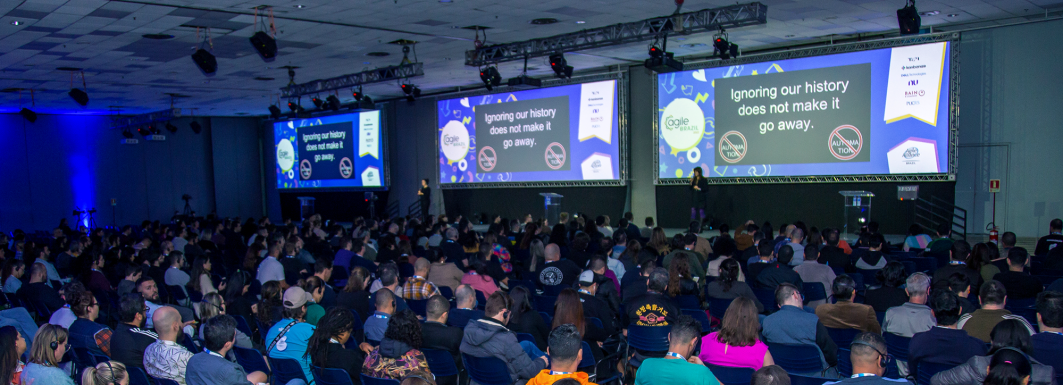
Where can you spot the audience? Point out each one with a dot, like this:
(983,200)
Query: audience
(442,272)
(680,365)
(525,319)
(959,284)
(737,343)
(556,271)
(13,347)
(593,305)
(846,314)
(435,334)
(288,338)
(565,352)
(913,316)
(780,271)
(418,287)
(389,279)
(945,343)
(11,275)
(873,260)
(793,325)
(377,324)
(465,298)
(165,358)
(993,298)
(85,329)
(1008,335)
(1052,240)
(38,291)
(129,341)
(814,269)
(314,288)
(1048,344)
(270,308)
(354,295)
(211,306)
(891,293)
(1018,283)
(210,367)
(489,337)
(869,359)
(326,344)
(958,253)
(47,350)
(654,308)
(835,256)
(728,286)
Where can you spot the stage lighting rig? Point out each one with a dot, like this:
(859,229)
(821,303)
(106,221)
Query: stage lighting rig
(412,92)
(127,134)
(491,77)
(908,19)
(28,114)
(317,102)
(723,48)
(560,66)
(662,61)
(274,112)
(143,131)
(80,96)
(332,102)
(154,130)
(295,107)
(170,127)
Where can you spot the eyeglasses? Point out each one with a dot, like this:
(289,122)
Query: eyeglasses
(95,304)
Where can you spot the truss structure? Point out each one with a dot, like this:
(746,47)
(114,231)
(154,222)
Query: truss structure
(124,122)
(378,75)
(713,19)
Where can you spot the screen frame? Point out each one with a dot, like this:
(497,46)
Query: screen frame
(622,84)
(952,38)
(384,154)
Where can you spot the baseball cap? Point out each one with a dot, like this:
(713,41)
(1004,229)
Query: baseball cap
(295,297)
(587,277)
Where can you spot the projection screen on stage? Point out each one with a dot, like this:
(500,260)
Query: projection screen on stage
(874,111)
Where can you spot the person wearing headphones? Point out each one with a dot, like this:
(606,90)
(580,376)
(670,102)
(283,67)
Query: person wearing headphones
(105,373)
(489,337)
(49,346)
(869,359)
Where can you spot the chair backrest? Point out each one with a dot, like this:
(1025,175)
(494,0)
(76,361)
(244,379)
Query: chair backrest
(688,302)
(718,306)
(525,337)
(98,358)
(814,291)
(137,376)
(83,358)
(486,370)
(419,306)
(897,346)
(927,370)
(842,337)
(177,292)
(730,375)
(544,303)
(165,381)
(595,321)
(766,296)
(242,325)
(845,362)
(648,338)
(286,369)
(547,317)
(797,379)
(331,376)
(481,300)
(587,360)
(366,380)
(699,315)
(446,292)
(440,362)
(796,358)
(250,359)
(553,290)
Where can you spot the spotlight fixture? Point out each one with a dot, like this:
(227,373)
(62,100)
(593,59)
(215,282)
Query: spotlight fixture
(491,77)
(274,112)
(127,134)
(295,107)
(366,103)
(143,131)
(724,49)
(332,102)
(656,52)
(29,115)
(205,61)
(79,96)
(908,19)
(317,102)
(560,66)
(411,91)
(358,95)
(662,61)
(196,128)
(170,127)
(265,45)
(154,130)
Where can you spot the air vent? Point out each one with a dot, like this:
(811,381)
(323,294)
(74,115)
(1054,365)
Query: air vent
(264,78)
(403,42)
(544,21)
(377,54)
(157,36)
(475,27)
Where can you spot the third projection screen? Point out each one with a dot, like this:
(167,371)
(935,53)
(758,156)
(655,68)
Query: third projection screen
(871,112)
(564,133)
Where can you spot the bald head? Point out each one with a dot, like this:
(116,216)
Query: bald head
(553,252)
(466,296)
(167,323)
(421,267)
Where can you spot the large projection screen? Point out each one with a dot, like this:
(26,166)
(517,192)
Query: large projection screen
(341,151)
(568,134)
(876,111)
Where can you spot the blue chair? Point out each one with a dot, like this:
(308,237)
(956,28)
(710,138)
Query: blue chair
(481,301)
(842,337)
(813,291)
(718,306)
(590,366)
(547,317)
(595,321)
(647,339)
(797,358)
(486,370)
(286,369)
(82,358)
(731,376)
(137,376)
(366,380)
(242,325)
(195,296)
(525,337)
(797,379)
(1048,357)
(165,381)
(446,292)
(845,363)
(688,302)
(553,290)
(927,370)
(333,376)
(339,277)
(544,304)
(699,315)
(766,296)
(251,360)
(440,362)
(897,346)
(178,293)
(419,306)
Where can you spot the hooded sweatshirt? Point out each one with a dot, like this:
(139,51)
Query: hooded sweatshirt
(545,378)
(488,338)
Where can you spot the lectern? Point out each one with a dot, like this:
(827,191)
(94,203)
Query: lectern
(857,206)
(552,207)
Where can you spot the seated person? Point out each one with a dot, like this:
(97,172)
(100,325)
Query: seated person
(488,337)
(70,293)
(85,327)
(873,260)
(1007,335)
(1018,283)
(913,316)
(43,364)
(679,365)
(737,343)
(129,341)
(943,344)
(326,345)
(780,271)
(1048,344)
(891,293)
(566,352)
(105,373)
(793,325)
(770,375)
(398,354)
(38,290)
(210,366)
(377,324)
(655,307)
(288,338)
(466,311)
(435,334)
(728,285)
(993,298)
(846,314)
(166,358)
(869,361)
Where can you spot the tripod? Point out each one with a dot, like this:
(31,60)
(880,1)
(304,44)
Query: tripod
(188,213)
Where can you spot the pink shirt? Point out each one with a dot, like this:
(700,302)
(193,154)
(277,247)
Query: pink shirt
(482,283)
(717,353)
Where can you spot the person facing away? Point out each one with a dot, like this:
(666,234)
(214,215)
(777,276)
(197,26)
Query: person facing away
(436,335)
(566,352)
(770,375)
(210,367)
(913,316)
(1007,335)
(944,343)
(846,314)
(1048,344)
(1052,240)
(326,346)
(793,325)
(868,355)
(165,358)
(680,365)
(465,297)
(737,343)
(489,337)
(1019,284)
(993,298)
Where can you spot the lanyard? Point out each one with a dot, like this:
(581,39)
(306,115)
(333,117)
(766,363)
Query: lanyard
(212,353)
(585,292)
(553,373)
(333,340)
(957,263)
(676,355)
(858,375)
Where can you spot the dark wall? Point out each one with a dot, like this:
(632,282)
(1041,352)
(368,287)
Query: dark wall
(816,204)
(337,206)
(516,202)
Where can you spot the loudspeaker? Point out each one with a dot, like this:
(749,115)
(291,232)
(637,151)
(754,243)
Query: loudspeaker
(79,96)
(265,45)
(29,115)
(205,61)
(908,19)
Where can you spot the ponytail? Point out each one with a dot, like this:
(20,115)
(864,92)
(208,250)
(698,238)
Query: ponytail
(1008,366)
(104,373)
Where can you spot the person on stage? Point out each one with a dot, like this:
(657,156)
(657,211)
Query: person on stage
(425,194)
(699,198)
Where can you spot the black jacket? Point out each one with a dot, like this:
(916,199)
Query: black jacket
(42,294)
(357,301)
(435,335)
(531,322)
(836,258)
(342,358)
(461,317)
(594,307)
(942,274)
(129,343)
(777,273)
(650,309)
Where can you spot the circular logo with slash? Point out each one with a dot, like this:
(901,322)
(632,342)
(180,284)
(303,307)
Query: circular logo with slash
(305,169)
(346,168)
(555,155)
(845,142)
(733,146)
(487,158)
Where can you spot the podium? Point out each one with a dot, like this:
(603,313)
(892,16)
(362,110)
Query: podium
(552,207)
(857,212)
(306,207)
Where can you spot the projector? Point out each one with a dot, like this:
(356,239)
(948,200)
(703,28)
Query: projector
(525,82)
(663,64)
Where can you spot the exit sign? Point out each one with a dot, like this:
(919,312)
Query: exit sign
(994,185)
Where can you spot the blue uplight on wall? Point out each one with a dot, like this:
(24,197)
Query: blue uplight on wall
(81,155)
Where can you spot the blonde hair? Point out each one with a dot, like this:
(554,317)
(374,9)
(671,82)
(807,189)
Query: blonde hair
(41,352)
(105,373)
(211,306)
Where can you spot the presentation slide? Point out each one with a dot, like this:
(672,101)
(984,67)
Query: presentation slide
(565,133)
(870,112)
(329,151)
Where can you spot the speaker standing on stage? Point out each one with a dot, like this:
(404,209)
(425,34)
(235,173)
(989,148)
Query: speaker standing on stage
(699,195)
(426,197)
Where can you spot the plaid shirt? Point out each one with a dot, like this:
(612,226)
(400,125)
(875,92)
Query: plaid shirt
(103,340)
(417,288)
